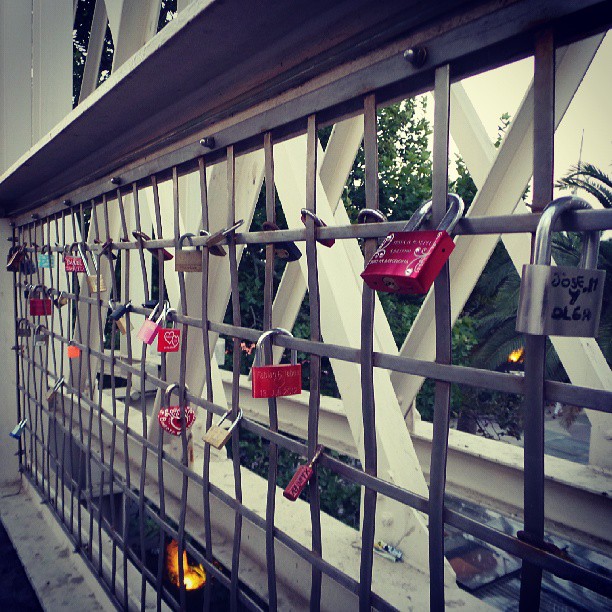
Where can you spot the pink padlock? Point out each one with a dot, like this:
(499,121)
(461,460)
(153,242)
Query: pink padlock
(150,328)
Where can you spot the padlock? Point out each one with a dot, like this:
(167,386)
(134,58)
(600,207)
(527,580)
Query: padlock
(73,262)
(150,328)
(15,255)
(23,329)
(39,306)
(41,336)
(18,429)
(27,266)
(286,250)
(187,260)
(118,315)
(169,417)
(218,436)
(214,249)
(92,279)
(168,338)
(54,391)
(328,242)
(142,238)
(275,380)
(61,299)
(27,290)
(561,300)
(72,350)
(409,261)
(301,477)
(45,257)
(215,239)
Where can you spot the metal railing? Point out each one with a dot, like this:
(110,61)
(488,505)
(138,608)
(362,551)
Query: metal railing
(66,450)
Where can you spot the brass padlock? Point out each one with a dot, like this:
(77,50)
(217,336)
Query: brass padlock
(118,315)
(92,279)
(53,392)
(187,260)
(61,300)
(218,436)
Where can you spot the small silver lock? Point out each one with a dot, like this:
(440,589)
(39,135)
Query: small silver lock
(92,279)
(218,436)
(18,429)
(41,336)
(561,300)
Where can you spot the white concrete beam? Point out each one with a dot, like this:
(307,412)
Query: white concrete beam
(94,51)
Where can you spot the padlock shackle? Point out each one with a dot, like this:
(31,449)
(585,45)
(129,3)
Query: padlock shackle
(170,389)
(45,248)
(168,316)
(39,327)
(189,236)
(546,226)
(366,214)
(222,419)
(454,212)
(277,331)
(36,289)
(304,212)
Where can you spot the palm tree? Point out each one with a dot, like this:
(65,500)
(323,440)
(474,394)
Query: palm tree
(591,179)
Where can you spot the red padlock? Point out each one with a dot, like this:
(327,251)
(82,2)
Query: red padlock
(72,350)
(40,306)
(275,380)
(150,328)
(168,338)
(301,477)
(328,242)
(169,417)
(409,261)
(74,263)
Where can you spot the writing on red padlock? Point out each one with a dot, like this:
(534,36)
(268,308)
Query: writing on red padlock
(301,477)
(275,380)
(409,261)
(168,338)
(169,417)
(40,304)
(74,263)
(150,328)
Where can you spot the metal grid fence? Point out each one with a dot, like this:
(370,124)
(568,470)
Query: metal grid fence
(66,438)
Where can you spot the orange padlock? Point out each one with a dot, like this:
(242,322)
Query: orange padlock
(72,350)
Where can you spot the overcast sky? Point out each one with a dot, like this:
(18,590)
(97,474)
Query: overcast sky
(502,90)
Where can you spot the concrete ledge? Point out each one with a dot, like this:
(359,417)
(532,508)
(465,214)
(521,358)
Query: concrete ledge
(59,576)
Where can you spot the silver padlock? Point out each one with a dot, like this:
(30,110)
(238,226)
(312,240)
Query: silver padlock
(41,336)
(187,260)
(561,300)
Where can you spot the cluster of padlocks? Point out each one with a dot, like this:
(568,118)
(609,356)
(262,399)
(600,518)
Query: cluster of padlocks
(554,300)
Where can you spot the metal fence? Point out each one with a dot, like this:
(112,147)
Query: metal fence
(72,441)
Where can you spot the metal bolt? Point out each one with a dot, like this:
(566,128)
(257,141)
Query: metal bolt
(416,56)
(208,142)
(36,216)
(116,180)
(66,202)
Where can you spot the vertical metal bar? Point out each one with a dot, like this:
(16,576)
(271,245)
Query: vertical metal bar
(268,298)
(18,360)
(314,302)
(209,387)
(182,402)
(143,413)
(370,143)
(439,447)
(160,441)
(125,273)
(535,346)
(236,360)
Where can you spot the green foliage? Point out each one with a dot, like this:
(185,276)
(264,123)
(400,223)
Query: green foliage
(591,179)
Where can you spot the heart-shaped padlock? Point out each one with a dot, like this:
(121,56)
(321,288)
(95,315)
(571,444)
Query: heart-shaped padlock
(169,417)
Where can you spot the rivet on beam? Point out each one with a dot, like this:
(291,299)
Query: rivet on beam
(416,56)
(116,180)
(208,142)
(66,202)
